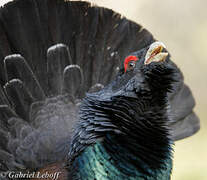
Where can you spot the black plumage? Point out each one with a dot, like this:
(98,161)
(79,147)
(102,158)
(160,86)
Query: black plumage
(51,54)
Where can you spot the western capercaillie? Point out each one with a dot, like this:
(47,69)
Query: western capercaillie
(87,92)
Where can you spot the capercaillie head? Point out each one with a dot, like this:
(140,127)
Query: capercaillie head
(129,116)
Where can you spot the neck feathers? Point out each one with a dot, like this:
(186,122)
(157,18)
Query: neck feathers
(131,131)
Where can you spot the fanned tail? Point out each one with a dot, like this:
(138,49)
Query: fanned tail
(36,125)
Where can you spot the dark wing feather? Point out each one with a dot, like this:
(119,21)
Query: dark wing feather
(67,49)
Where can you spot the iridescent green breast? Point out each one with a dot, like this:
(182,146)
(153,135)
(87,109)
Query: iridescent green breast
(95,163)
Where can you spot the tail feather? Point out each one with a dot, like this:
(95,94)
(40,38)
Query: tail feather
(16,67)
(73,80)
(185,127)
(182,103)
(20,97)
(57,58)
(184,120)
(6,114)
(34,109)
(3,98)
(4,139)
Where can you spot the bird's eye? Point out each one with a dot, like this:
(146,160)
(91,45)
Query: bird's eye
(131,65)
(130,62)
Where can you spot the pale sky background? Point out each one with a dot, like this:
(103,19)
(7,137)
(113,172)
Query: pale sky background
(182,26)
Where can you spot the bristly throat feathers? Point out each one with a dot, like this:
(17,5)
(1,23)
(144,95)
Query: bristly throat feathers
(120,139)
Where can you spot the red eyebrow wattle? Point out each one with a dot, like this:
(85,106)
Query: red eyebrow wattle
(127,60)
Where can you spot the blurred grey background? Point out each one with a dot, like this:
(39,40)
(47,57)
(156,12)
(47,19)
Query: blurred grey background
(182,26)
